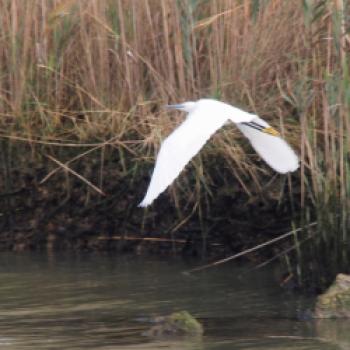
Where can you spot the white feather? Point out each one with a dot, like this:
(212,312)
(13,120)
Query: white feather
(272,149)
(180,147)
(204,119)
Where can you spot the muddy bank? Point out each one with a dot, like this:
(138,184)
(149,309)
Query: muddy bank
(65,212)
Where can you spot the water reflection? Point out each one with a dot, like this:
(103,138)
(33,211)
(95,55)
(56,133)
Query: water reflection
(103,302)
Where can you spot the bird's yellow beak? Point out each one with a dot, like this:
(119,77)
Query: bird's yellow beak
(271,131)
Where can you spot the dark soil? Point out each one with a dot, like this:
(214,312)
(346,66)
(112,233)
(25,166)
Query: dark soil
(65,213)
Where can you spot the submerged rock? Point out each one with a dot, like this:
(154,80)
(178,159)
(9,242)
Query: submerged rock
(180,323)
(335,301)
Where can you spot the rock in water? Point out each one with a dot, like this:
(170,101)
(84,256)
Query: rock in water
(180,323)
(335,301)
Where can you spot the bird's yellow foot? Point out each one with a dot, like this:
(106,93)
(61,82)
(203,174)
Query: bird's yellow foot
(271,131)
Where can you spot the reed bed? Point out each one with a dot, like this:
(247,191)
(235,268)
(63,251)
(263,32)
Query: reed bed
(92,71)
(80,78)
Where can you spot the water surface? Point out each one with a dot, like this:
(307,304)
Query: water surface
(104,302)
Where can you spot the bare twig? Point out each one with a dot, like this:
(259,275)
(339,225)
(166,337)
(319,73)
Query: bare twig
(65,167)
(250,250)
(52,172)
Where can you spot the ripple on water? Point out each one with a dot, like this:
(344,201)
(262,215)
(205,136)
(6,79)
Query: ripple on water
(99,302)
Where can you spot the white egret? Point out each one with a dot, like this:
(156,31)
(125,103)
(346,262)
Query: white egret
(205,117)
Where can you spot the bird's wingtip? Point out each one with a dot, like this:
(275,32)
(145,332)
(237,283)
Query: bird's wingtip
(143,204)
(290,168)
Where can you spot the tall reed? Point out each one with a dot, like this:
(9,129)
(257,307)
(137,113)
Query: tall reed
(78,66)
(87,71)
(323,102)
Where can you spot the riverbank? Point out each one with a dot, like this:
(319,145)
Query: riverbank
(65,211)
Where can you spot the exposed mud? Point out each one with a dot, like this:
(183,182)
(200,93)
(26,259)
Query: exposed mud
(64,212)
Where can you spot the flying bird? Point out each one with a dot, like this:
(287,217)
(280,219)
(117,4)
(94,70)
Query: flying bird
(204,118)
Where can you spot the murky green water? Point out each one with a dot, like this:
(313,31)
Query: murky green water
(100,302)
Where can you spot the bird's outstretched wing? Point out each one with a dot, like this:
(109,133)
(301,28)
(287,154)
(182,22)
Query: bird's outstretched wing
(179,148)
(273,149)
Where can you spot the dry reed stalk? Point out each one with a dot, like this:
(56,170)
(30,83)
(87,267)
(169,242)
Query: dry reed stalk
(250,250)
(85,60)
(70,65)
(80,177)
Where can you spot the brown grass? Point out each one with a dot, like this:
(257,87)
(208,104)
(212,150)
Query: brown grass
(90,70)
